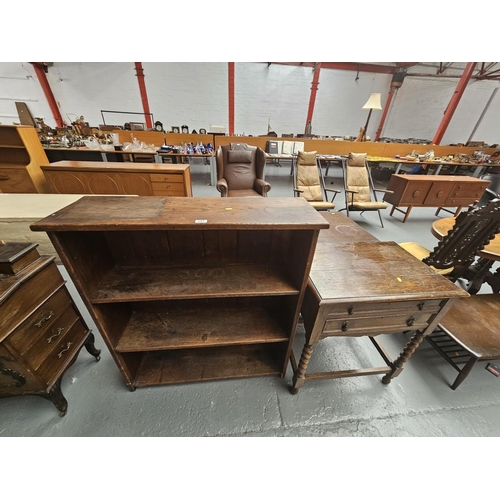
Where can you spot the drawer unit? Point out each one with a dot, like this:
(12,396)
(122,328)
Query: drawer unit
(16,180)
(41,330)
(26,334)
(169,178)
(167,189)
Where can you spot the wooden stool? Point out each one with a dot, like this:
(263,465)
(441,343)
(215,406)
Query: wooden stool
(468,333)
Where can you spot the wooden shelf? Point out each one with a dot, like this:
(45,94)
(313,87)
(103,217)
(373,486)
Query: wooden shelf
(200,327)
(12,146)
(197,365)
(144,283)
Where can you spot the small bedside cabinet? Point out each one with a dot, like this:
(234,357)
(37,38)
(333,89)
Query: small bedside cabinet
(41,330)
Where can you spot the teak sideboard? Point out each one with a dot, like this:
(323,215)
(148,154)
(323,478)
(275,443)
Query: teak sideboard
(433,191)
(142,179)
(186,290)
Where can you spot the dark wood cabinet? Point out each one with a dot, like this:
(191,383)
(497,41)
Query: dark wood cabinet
(186,290)
(41,330)
(433,191)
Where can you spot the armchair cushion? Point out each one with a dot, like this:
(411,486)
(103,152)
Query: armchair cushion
(307,176)
(239,156)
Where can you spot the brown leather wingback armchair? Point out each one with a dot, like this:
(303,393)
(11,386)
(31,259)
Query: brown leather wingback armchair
(240,170)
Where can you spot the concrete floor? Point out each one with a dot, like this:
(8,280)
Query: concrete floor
(417,403)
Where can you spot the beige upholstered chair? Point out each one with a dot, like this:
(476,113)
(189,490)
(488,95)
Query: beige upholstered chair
(309,182)
(240,170)
(360,193)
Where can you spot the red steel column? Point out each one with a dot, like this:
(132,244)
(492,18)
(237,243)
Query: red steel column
(230,77)
(42,78)
(455,99)
(144,94)
(314,90)
(392,90)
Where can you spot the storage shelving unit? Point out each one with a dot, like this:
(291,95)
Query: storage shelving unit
(21,155)
(186,290)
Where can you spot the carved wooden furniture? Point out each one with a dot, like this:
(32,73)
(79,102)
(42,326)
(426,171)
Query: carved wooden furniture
(453,256)
(240,170)
(186,290)
(41,330)
(309,183)
(433,191)
(469,333)
(21,155)
(142,179)
(361,287)
(360,193)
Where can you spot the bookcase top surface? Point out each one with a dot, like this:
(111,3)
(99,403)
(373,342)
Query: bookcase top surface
(116,213)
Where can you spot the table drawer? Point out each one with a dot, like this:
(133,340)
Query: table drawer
(49,341)
(63,353)
(374,325)
(167,189)
(373,309)
(31,330)
(170,178)
(32,292)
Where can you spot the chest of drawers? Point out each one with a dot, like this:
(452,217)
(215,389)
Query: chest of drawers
(41,330)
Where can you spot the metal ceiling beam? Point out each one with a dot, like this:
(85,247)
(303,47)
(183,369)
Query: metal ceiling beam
(348,66)
(41,70)
(455,99)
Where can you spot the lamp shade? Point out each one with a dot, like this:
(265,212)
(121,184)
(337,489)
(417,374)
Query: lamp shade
(373,102)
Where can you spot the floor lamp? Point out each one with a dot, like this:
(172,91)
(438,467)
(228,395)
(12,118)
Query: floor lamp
(374,102)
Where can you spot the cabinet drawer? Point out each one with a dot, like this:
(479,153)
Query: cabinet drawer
(63,353)
(167,189)
(438,193)
(373,309)
(170,178)
(41,320)
(50,339)
(28,296)
(415,193)
(374,325)
(16,180)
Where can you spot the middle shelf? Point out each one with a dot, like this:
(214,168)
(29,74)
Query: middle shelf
(145,283)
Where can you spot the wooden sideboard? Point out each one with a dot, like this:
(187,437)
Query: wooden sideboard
(433,191)
(21,155)
(41,330)
(186,290)
(142,179)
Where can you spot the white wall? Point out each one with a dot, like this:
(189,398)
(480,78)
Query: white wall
(196,94)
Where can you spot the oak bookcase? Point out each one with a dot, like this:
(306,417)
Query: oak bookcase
(190,289)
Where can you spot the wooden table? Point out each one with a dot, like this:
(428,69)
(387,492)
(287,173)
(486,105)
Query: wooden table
(480,272)
(359,286)
(433,191)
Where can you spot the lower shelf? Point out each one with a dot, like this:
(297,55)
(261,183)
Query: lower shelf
(196,365)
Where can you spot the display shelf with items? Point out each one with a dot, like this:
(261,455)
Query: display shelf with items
(21,155)
(41,330)
(189,290)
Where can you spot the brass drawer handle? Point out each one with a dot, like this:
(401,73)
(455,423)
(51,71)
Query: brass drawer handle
(43,320)
(410,321)
(350,310)
(420,305)
(345,325)
(59,331)
(68,345)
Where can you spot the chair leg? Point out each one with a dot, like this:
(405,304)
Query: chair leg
(464,372)
(380,217)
